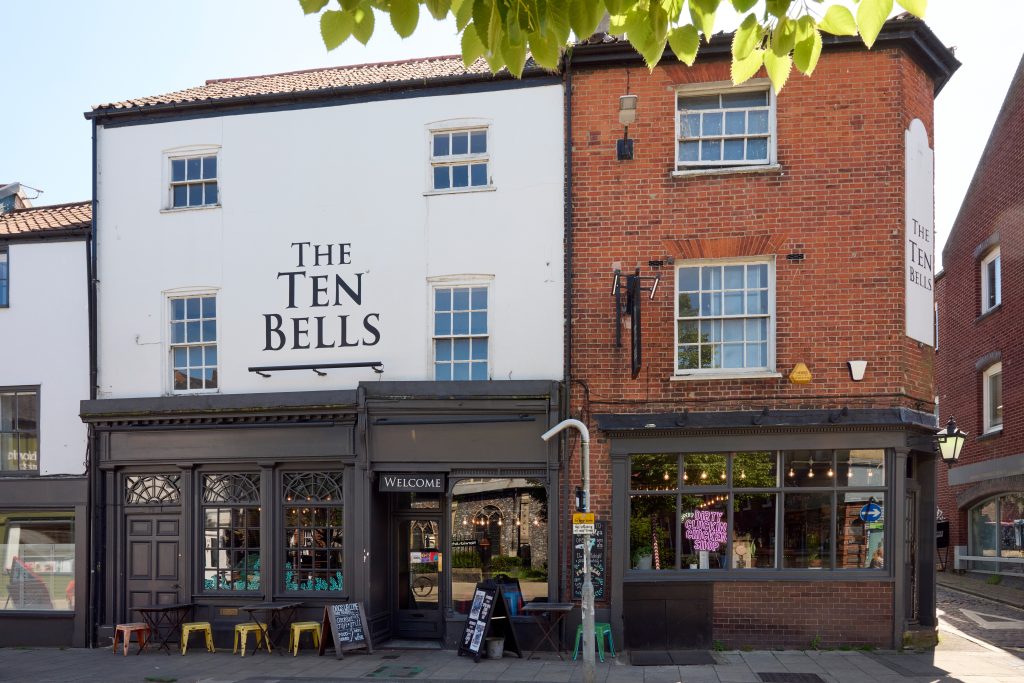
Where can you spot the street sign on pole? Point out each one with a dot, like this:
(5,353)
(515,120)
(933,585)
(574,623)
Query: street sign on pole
(583,523)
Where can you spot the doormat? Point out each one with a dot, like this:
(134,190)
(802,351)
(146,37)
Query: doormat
(785,677)
(650,658)
(671,658)
(691,657)
(393,671)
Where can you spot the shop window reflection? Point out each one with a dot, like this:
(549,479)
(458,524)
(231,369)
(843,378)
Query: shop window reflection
(652,532)
(861,536)
(753,537)
(499,530)
(38,552)
(807,529)
(860,468)
(997,531)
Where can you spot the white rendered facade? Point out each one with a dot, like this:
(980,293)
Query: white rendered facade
(358,177)
(44,338)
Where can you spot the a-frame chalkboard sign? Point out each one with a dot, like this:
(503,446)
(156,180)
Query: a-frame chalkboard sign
(489,617)
(346,624)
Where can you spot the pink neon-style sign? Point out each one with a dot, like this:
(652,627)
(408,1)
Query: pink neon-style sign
(706,529)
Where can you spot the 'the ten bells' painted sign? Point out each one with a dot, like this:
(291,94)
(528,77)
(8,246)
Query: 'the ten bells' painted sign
(706,529)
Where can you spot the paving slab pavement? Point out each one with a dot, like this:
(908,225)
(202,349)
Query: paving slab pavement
(960,657)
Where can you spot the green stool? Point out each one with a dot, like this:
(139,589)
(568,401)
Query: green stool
(601,629)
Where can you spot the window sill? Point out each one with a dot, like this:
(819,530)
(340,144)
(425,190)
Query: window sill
(726,170)
(725,375)
(461,190)
(989,312)
(186,209)
(990,434)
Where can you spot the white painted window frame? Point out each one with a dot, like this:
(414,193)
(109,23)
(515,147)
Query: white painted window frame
(726,373)
(739,165)
(988,424)
(458,126)
(452,281)
(168,355)
(188,152)
(993,256)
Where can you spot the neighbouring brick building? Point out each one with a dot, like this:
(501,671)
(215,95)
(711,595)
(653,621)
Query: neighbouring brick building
(978,365)
(756,473)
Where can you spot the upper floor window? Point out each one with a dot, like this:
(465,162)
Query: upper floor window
(992,398)
(19,430)
(193,343)
(460,333)
(193,181)
(724,317)
(459,159)
(4,279)
(730,127)
(991,276)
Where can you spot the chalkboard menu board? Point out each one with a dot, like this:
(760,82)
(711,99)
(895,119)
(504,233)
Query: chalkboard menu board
(597,573)
(346,624)
(488,614)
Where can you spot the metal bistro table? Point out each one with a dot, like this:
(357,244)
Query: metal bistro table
(277,618)
(165,619)
(549,617)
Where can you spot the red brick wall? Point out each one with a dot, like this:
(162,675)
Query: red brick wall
(838,199)
(793,615)
(994,204)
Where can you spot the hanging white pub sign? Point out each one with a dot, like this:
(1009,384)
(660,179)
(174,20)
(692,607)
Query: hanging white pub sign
(919,247)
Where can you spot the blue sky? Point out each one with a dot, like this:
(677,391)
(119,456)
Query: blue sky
(62,58)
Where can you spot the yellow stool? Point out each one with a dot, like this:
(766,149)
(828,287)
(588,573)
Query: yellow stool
(300,627)
(196,627)
(141,631)
(244,630)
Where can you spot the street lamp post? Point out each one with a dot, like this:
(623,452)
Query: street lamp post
(588,584)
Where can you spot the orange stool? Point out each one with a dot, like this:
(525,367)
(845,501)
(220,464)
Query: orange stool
(140,630)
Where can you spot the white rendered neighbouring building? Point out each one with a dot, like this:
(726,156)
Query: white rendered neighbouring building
(44,374)
(310,286)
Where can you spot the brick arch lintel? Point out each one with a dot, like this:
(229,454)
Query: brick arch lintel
(721,247)
(987,360)
(989,489)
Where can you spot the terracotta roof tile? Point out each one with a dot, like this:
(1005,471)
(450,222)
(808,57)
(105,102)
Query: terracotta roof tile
(40,219)
(420,71)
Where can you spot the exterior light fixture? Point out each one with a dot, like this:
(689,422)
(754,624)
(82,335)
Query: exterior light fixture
(627,115)
(951,442)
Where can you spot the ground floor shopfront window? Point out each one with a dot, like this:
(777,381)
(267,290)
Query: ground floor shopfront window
(819,509)
(306,537)
(499,530)
(38,553)
(996,530)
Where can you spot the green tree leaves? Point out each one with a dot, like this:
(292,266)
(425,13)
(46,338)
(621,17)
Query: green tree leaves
(775,34)
(335,27)
(838,21)
(871,14)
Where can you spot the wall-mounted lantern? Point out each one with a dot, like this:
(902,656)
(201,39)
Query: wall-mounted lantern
(627,115)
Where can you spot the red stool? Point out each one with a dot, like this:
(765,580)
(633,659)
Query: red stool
(140,630)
